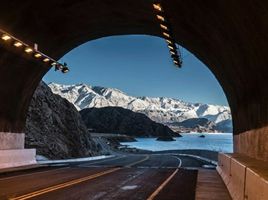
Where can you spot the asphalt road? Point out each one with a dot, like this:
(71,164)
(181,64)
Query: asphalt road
(144,177)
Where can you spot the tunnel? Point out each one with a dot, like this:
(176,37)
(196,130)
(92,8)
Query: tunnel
(230,37)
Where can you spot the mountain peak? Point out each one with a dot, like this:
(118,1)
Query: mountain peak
(159,109)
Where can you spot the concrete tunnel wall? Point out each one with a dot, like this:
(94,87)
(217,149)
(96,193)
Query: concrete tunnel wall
(230,37)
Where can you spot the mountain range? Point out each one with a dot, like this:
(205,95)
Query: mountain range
(160,109)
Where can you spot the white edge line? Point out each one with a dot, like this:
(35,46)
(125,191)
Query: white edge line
(75,160)
(101,161)
(199,158)
(180,161)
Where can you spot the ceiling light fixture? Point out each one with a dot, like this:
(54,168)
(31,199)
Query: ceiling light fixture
(37,55)
(32,50)
(164,27)
(46,60)
(17,44)
(169,41)
(28,50)
(172,52)
(65,69)
(171,47)
(6,37)
(157,6)
(167,33)
(160,17)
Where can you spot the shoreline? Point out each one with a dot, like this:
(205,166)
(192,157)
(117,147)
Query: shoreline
(214,142)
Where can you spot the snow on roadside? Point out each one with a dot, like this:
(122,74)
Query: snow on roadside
(41,160)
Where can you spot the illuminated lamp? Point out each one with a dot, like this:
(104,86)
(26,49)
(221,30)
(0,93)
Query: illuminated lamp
(157,6)
(17,44)
(64,69)
(46,60)
(166,34)
(28,50)
(164,27)
(160,17)
(171,47)
(37,55)
(5,37)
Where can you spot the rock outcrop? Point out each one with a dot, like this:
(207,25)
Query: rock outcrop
(55,128)
(123,121)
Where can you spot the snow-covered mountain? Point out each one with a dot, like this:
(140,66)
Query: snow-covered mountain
(161,109)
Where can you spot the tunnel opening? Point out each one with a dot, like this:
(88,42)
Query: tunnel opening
(121,65)
(178,165)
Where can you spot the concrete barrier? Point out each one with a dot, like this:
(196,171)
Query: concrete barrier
(12,152)
(256,186)
(248,177)
(224,167)
(17,157)
(11,140)
(236,185)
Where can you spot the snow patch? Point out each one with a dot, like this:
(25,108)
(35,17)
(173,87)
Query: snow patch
(74,160)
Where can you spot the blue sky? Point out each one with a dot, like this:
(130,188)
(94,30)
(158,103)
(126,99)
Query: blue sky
(139,65)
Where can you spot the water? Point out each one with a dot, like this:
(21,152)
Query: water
(222,142)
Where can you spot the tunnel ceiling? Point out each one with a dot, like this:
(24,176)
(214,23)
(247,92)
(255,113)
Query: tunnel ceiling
(230,37)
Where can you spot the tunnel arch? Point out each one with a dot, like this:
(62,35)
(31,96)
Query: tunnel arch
(230,37)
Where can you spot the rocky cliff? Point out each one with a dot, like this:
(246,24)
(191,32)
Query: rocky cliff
(55,128)
(123,121)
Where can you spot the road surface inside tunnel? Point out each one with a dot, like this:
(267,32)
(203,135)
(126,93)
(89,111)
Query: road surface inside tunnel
(141,176)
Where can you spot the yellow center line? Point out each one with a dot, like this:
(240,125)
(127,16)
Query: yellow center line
(158,190)
(63,185)
(72,182)
(135,163)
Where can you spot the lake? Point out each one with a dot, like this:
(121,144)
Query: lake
(222,142)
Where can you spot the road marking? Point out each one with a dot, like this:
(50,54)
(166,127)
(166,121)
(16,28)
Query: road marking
(129,187)
(63,185)
(73,182)
(81,165)
(22,175)
(135,163)
(129,165)
(179,161)
(158,190)
(154,167)
(105,160)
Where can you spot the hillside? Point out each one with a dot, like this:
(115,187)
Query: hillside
(123,121)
